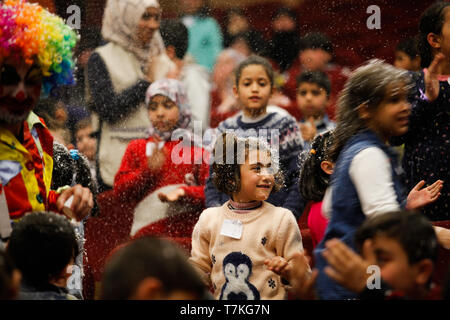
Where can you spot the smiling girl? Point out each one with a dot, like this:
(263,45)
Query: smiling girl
(242,247)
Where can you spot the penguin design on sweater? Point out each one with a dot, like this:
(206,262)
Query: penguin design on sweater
(237,268)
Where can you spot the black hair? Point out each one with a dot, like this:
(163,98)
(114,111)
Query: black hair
(254,60)
(6,276)
(367,85)
(285,11)
(317,77)
(313,181)
(316,40)
(408,46)
(149,257)
(431,21)
(412,230)
(174,33)
(70,168)
(41,245)
(226,173)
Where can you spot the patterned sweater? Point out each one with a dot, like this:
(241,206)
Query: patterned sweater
(235,267)
(282,131)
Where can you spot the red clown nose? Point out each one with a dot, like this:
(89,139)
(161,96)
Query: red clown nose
(20,96)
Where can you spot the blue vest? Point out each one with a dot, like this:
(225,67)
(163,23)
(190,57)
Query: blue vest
(346,211)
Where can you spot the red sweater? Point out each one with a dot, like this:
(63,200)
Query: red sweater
(135,181)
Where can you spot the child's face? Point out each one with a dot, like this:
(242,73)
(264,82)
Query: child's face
(85,143)
(254,90)
(20,88)
(391,117)
(314,59)
(403,61)
(444,37)
(257,179)
(311,100)
(163,113)
(394,265)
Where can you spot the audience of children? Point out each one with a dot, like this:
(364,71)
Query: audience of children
(43,247)
(194,77)
(231,244)
(366,180)
(247,244)
(313,94)
(316,169)
(151,269)
(253,88)
(316,54)
(164,175)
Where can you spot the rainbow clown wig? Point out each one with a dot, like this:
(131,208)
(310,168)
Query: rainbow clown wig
(30,32)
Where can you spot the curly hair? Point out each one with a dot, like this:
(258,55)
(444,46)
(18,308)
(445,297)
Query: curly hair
(229,153)
(313,181)
(33,34)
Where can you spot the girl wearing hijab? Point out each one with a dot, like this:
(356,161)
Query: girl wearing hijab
(118,75)
(164,175)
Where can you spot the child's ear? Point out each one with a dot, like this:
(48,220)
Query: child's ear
(363,111)
(424,269)
(170,51)
(235,92)
(434,40)
(416,63)
(148,289)
(327,167)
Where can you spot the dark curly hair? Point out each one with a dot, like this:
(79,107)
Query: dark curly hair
(254,60)
(313,181)
(229,153)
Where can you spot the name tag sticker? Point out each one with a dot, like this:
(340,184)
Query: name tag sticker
(232,228)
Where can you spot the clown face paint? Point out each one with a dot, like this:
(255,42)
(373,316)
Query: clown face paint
(20,88)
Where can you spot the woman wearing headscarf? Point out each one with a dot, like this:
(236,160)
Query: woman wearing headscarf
(164,175)
(118,75)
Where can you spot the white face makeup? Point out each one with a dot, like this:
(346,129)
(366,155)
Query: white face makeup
(20,88)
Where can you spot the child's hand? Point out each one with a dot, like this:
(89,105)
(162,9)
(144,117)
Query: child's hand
(82,202)
(301,279)
(431,78)
(418,197)
(308,129)
(156,160)
(172,196)
(346,267)
(279,265)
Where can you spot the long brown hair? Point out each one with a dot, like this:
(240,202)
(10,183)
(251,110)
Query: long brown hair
(367,85)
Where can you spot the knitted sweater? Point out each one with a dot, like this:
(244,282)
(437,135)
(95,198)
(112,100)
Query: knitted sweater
(289,140)
(235,267)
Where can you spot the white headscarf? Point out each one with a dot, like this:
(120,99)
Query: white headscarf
(120,22)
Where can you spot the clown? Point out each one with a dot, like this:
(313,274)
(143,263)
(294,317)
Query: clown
(35,57)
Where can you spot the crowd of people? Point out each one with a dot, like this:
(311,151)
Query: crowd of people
(220,142)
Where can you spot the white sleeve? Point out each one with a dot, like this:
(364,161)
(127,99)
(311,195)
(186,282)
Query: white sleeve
(370,172)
